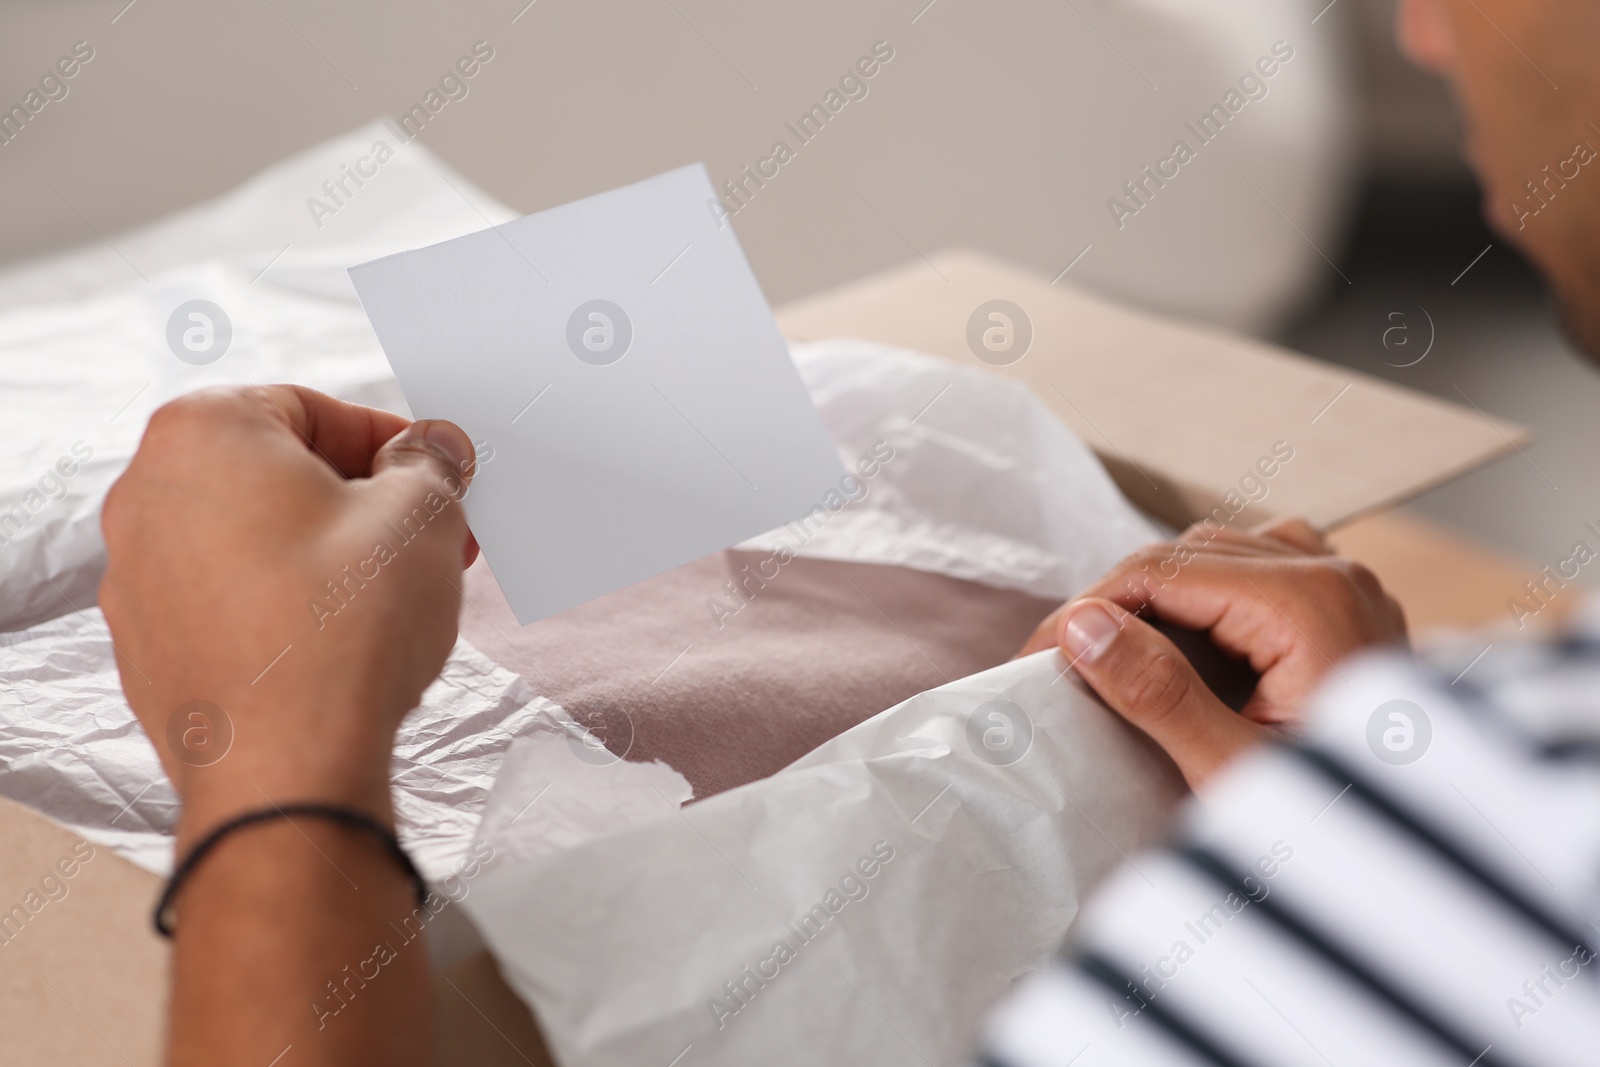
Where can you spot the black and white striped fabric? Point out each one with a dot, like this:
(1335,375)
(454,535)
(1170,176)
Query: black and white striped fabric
(1415,882)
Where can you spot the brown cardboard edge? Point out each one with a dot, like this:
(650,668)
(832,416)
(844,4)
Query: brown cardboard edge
(1175,499)
(84,981)
(1445,477)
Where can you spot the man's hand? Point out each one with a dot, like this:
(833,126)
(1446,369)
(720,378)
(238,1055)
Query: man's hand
(293,560)
(1276,596)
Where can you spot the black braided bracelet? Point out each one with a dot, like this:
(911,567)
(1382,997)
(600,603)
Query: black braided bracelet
(345,816)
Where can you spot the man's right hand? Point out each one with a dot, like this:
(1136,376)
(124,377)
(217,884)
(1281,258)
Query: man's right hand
(1275,596)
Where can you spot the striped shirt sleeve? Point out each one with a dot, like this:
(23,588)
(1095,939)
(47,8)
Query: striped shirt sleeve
(1414,881)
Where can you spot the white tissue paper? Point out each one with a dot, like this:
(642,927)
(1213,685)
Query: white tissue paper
(866,904)
(985,482)
(85,359)
(71,748)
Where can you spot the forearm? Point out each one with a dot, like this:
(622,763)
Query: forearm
(299,933)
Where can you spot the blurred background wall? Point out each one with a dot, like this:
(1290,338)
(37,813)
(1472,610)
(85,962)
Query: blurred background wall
(1008,125)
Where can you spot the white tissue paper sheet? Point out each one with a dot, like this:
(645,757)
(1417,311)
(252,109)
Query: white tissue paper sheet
(866,904)
(71,748)
(84,355)
(985,483)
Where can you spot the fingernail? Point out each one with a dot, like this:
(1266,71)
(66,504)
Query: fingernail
(1088,633)
(448,438)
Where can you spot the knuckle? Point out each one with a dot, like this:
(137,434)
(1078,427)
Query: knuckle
(1305,529)
(1343,594)
(1358,583)
(168,418)
(184,415)
(1293,524)
(1296,532)
(1327,578)
(1339,596)
(181,409)
(1397,614)
(1363,578)
(1148,556)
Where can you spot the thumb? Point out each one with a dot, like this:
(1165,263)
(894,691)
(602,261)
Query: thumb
(431,462)
(1143,677)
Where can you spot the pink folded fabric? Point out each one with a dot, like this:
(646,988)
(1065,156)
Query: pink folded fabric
(733,666)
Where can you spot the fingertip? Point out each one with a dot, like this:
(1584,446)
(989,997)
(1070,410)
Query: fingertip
(440,447)
(1087,629)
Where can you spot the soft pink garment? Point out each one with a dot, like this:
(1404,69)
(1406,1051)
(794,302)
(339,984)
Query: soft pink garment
(726,695)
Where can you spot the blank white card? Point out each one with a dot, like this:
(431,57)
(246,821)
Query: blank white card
(618,358)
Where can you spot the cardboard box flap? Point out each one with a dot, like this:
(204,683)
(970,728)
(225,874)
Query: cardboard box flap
(1178,413)
(84,979)
(83,975)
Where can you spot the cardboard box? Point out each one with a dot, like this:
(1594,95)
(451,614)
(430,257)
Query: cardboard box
(1178,413)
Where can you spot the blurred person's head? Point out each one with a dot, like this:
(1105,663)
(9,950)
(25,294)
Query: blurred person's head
(1527,76)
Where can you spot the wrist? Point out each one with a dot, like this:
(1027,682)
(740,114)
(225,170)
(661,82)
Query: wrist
(213,795)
